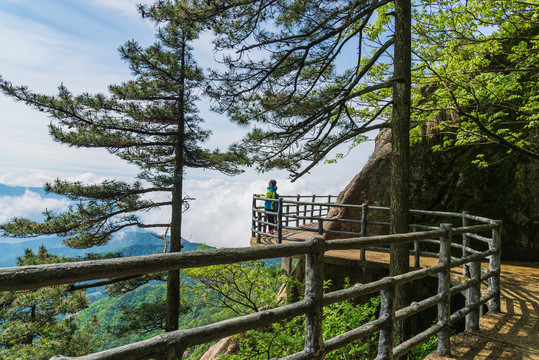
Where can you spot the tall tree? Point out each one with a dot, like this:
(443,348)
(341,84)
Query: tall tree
(305,96)
(400,150)
(150,121)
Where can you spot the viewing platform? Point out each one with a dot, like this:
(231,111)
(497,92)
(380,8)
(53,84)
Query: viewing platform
(374,258)
(300,216)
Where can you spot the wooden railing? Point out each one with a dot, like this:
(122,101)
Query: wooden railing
(291,210)
(171,345)
(293,213)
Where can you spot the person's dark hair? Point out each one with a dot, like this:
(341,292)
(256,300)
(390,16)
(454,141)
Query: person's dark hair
(273,182)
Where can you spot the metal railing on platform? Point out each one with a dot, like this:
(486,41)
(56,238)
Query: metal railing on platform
(483,247)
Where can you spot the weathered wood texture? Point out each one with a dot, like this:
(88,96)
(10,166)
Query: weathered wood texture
(387,313)
(33,277)
(314,293)
(495,265)
(474,295)
(444,287)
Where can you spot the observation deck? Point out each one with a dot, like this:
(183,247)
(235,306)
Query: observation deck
(301,216)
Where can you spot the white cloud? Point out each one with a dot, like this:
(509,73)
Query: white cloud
(220,215)
(38,177)
(30,177)
(28,205)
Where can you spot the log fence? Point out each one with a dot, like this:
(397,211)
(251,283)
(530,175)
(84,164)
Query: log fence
(484,247)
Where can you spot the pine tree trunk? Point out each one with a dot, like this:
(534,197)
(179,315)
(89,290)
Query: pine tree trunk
(400,155)
(173,277)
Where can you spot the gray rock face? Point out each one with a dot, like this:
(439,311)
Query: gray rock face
(448,181)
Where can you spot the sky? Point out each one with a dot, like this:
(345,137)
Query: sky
(48,42)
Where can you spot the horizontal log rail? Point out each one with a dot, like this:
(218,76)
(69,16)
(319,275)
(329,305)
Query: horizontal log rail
(316,347)
(36,276)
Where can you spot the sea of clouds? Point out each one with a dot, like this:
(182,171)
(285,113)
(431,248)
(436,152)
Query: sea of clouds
(219,215)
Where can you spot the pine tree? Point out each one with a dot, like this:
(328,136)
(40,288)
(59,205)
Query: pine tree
(38,324)
(150,121)
(290,79)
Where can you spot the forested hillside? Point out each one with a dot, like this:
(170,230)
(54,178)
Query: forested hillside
(110,316)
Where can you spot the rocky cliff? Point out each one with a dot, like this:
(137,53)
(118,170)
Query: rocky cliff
(448,181)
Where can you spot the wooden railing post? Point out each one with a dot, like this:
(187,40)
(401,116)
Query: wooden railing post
(465,269)
(174,353)
(253,216)
(444,285)
(386,338)
(280,221)
(305,212)
(495,265)
(297,211)
(363,232)
(473,297)
(314,293)
(329,202)
(417,250)
(312,205)
(259,227)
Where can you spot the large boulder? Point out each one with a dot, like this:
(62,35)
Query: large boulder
(223,347)
(448,181)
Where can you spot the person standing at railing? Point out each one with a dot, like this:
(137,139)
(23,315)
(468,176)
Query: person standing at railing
(271,206)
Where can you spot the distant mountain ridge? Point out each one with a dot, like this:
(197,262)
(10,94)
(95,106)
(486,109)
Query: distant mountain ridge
(128,243)
(132,243)
(6,190)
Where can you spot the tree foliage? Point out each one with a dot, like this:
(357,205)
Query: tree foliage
(146,318)
(286,338)
(306,75)
(477,75)
(249,287)
(241,288)
(38,324)
(121,327)
(152,122)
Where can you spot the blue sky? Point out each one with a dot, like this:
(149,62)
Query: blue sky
(48,42)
